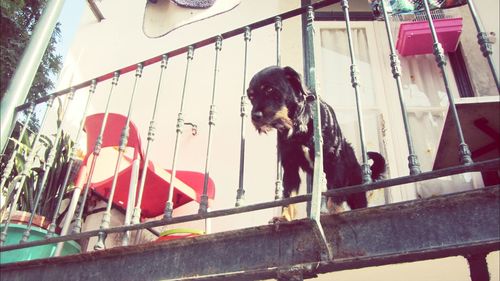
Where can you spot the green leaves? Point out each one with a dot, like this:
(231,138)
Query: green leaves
(10,7)
(55,173)
(18,18)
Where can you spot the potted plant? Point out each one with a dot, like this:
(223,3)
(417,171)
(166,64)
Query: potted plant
(19,219)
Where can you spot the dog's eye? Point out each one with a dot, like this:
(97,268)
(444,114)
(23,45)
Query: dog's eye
(272,93)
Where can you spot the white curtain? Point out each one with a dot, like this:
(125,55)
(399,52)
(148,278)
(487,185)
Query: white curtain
(424,94)
(427,103)
(337,90)
(335,62)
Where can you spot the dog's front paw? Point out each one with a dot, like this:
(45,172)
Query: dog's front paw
(279,219)
(334,208)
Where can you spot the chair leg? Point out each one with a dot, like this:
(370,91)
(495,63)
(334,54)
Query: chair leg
(69,217)
(134,177)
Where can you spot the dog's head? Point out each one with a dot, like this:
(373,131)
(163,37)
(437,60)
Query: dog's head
(277,95)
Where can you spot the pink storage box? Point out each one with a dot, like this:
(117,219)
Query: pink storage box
(415,38)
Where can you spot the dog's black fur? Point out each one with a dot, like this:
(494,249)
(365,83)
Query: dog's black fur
(280,101)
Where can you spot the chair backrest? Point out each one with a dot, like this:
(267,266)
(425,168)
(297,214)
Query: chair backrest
(112,132)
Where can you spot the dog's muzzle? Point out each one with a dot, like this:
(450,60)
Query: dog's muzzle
(257,116)
(260,124)
(279,121)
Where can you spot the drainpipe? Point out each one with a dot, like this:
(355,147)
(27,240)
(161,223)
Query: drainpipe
(95,10)
(25,73)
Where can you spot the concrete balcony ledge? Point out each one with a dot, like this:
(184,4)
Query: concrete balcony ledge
(456,224)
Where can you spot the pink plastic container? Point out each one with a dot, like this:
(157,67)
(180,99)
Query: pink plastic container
(415,38)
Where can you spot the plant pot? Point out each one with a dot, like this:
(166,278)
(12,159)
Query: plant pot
(178,233)
(15,233)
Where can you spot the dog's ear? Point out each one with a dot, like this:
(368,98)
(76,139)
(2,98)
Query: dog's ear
(294,78)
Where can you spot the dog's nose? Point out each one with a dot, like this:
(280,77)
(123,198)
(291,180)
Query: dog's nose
(257,115)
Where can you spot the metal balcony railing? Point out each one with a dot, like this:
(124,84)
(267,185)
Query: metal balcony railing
(314,198)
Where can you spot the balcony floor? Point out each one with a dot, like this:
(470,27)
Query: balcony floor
(451,225)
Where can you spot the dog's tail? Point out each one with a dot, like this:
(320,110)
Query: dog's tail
(378,166)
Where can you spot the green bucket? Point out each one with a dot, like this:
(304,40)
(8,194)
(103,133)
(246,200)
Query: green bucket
(14,235)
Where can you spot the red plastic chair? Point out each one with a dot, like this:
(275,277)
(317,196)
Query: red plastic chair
(188,184)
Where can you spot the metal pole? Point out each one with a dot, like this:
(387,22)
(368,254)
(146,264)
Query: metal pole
(319,179)
(478,267)
(10,164)
(62,191)
(306,54)
(151,134)
(366,172)
(211,125)
(278,26)
(20,84)
(413,163)
(97,150)
(483,41)
(48,166)
(106,218)
(464,151)
(169,206)
(21,178)
(240,195)
(318,171)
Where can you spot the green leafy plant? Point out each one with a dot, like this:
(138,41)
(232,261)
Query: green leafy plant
(33,182)
(19,18)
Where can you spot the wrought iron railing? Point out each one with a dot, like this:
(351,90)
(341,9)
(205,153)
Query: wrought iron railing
(315,197)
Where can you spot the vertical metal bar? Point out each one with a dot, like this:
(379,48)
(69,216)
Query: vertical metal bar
(478,267)
(211,126)
(413,163)
(240,195)
(366,172)
(464,151)
(19,180)
(106,218)
(483,41)
(10,164)
(20,84)
(318,171)
(97,149)
(131,198)
(62,191)
(169,206)
(307,65)
(48,166)
(71,210)
(278,26)
(151,135)
(319,179)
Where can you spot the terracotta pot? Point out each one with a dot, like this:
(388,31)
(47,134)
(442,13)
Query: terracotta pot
(21,217)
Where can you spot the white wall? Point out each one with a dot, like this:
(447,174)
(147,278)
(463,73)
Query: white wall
(488,16)
(478,69)
(118,41)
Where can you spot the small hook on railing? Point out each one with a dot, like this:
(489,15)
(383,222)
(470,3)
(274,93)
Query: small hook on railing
(194,128)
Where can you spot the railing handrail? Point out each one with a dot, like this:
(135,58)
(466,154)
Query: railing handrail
(182,50)
(477,166)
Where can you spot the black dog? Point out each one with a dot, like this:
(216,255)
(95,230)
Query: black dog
(280,101)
